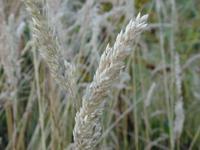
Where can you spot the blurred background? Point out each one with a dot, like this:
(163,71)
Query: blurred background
(154,105)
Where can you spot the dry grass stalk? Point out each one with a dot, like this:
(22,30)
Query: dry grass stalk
(88,129)
(147,101)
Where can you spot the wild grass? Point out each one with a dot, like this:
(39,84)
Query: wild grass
(62,86)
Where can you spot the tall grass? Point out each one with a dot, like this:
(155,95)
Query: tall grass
(62,86)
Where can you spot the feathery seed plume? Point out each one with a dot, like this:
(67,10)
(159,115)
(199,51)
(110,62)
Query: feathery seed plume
(47,43)
(88,129)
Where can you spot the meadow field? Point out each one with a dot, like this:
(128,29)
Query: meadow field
(99,75)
